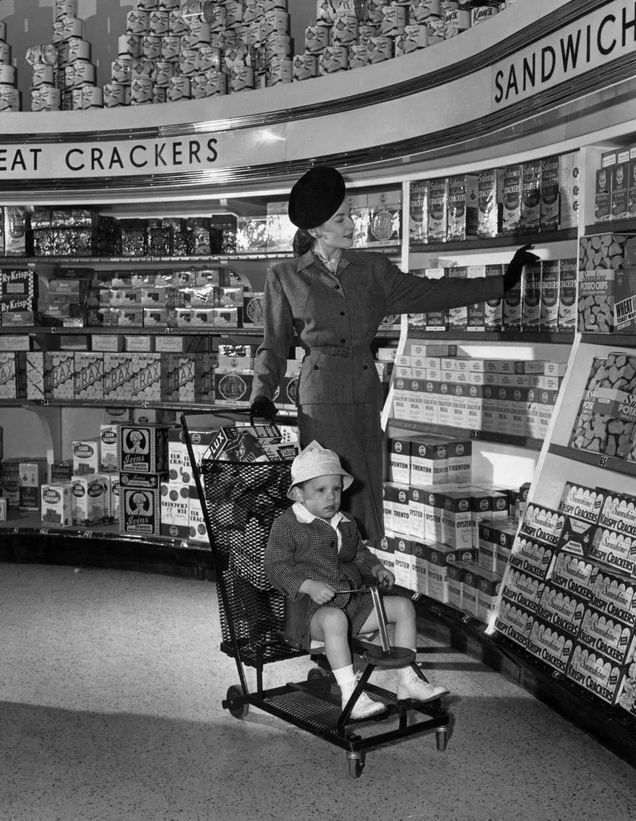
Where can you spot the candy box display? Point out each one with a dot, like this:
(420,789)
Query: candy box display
(142,448)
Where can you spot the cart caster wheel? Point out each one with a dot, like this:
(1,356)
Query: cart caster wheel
(441,735)
(356,764)
(239,710)
(317,673)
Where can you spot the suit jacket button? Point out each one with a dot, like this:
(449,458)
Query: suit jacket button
(315,367)
(365,367)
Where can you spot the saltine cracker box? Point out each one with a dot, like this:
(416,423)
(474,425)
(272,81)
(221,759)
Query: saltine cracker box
(142,448)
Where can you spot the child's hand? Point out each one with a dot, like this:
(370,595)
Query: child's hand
(320,592)
(385,578)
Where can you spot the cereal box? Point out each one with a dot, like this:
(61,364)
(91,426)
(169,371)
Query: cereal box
(567,294)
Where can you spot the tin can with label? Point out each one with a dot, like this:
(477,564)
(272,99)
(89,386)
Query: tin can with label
(233,14)
(413,39)
(189,62)
(164,70)
(281,70)
(241,78)
(3,30)
(158,22)
(141,90)
(216,82)
(42,75)
(66,27)
(274,21)
(217,18)
(366,31)
(198,86)
(142,68)
(169,5)
(305,66)
(46,99)
(209,58)
(252,11)
(344,30)
(179,89)
(9,96)
(137,22)
(325,12)
(160,95)
(76,99)
(78,49)
(394,19)
(151,47)
(278,45)
(435,26)
(85,73)
(379,49)
(68,76)
(46,53)
(358,56)
(92,97)
(65,8)
(177,24)
(333,59)
(316,39)
(5,53)
(374,9)
(148,5)
(200,32)
(241,55)
(121,69)
(171,47)
(115,94)
(421,10)
(130,44)
(191,9)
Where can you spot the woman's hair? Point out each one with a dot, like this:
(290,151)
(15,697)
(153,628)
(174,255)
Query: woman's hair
(303,242)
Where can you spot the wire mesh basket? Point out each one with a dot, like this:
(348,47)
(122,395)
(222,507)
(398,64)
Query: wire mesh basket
(243,499)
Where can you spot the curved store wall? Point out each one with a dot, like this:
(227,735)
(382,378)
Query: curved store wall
(542,73)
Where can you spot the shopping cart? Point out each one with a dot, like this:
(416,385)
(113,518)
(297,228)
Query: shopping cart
(240,501)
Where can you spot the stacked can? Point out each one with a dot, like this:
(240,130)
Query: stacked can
(74,75)
(9,94)
(455,19)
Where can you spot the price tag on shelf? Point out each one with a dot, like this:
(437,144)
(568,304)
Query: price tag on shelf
(475,434)
(44,531)
(86,534)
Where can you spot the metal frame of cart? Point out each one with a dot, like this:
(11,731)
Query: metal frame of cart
(239,501)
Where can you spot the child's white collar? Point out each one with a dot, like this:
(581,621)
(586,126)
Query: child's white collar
(304,516)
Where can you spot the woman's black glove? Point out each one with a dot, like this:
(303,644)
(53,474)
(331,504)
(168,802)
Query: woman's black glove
(263,408)
(513,275)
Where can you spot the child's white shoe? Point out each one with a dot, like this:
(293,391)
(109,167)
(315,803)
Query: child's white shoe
(364,707)
(410,685)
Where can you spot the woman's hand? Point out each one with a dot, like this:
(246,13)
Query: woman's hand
(319,592)
(385,578)
(263,408)
(523,256)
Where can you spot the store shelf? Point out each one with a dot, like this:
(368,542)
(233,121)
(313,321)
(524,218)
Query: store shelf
(597,460)
(566,338)
(617,340)
(489,243)
(614,226)
(483,436)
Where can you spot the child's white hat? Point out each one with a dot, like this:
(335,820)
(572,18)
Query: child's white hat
(315,461)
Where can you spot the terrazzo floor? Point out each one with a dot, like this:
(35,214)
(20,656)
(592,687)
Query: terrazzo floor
(110,691)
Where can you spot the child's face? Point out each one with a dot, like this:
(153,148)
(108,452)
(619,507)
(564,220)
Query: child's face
(321,496)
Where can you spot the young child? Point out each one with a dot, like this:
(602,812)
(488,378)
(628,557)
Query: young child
(315,554)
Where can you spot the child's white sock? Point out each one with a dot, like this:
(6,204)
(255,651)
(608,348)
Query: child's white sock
(345,676)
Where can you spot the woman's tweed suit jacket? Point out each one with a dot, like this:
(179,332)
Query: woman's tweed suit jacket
(336,317)
(297,551)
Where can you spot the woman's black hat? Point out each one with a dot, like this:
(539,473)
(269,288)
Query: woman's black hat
(316,197)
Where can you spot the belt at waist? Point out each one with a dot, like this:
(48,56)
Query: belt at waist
(341,350)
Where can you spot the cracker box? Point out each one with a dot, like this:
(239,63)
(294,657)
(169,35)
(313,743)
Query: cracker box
(493,307)
(531,297)
(108,447)
(139,510)
(402,553)
(429,462)
(457,520)
(619,208)
(615,549)
(563,610)
(142,448)
(489,203)
(511,198)
(57,505)
(86,457)
(608,636)
(512,307)
(615,596)
(514,622)
(550,645)
(574,574)
(455,585)
(569,184)
(530,217)
(583,502)
(533,556)
(549,193)
(89,500)
(595,672)
(567,294)
(385,553)
(62,374)
(89,375)
(416,513)
(469,590)
(462,207)
(550,279)
(487,587)
(400,460)
(603,195)
(437,572)
(522,589)
(438,210)
(175,510)
(577,536)
(418,214)
(197,531)
(419,567)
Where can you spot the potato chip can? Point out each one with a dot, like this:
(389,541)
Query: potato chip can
(316,39)
(85,73)
(216,82)
(92,97)
(115,94)
(209,58)
(333,59)
(130,44)
(5,53)
(374,11)
(121,69)
(358,56)
(189,62)
(179,88)
(344,30)
(151,47)
(148,5)
(233,14)
(8,98)
(141,90)
(394,19)
(64,8)
(159,95)
(142,68)
(164,70)
(379,49)
(171,47)
(325,12)
(158,22)
(422,10)
(42,75)
(280,70)
(169,5)
(137,22)
(66,27)
(241,78)
(78,49)
(177,23)
(200,32)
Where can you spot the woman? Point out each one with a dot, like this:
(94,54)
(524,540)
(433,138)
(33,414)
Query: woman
(333,300)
